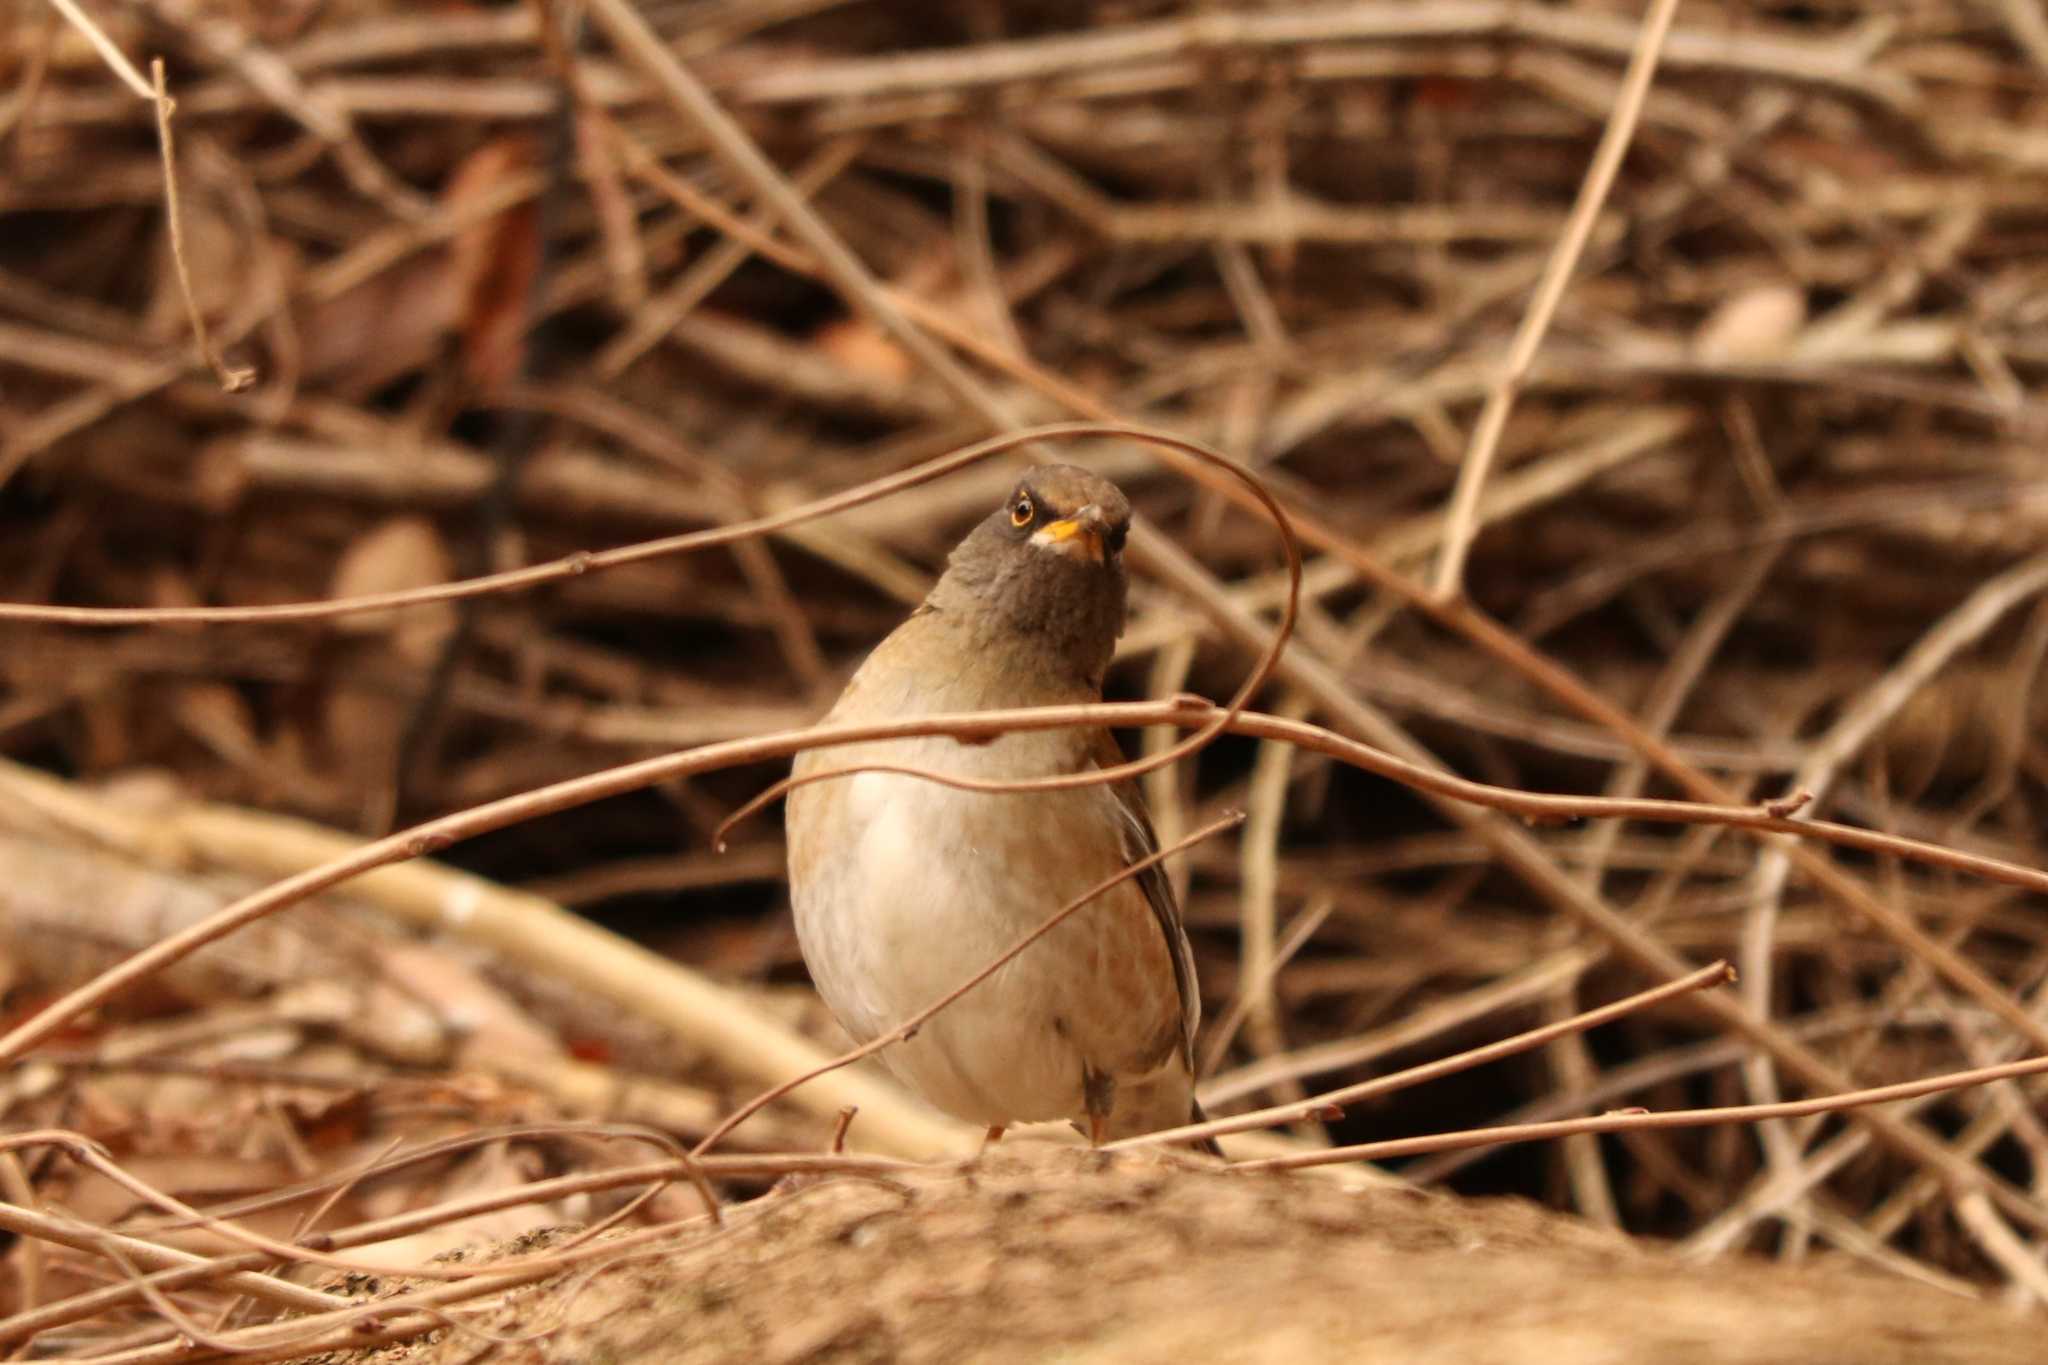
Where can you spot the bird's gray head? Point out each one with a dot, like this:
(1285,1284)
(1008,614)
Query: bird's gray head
(1046,570)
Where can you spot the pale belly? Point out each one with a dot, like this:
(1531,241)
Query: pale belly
(938,884)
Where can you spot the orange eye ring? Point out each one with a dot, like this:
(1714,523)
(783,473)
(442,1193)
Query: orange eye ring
(1022,512)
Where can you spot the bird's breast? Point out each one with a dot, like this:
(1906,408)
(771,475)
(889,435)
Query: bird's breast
(904,888)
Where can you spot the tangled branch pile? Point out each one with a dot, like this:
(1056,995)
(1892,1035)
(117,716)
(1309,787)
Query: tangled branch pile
(1767,514)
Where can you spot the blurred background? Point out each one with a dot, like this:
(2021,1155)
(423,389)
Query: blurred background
(1773,487)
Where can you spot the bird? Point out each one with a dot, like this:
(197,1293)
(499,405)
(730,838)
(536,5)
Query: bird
(902,888)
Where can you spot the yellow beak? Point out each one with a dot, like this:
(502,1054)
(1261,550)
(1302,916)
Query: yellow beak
(1079,534)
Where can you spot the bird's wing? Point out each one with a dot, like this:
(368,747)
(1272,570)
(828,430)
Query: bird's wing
(1139,842)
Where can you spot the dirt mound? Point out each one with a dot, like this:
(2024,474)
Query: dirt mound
(1056,1254)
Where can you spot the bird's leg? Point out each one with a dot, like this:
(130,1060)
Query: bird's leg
(990,1138)
(1098,1097)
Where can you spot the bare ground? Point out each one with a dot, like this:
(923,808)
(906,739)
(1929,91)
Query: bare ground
(1042,1253)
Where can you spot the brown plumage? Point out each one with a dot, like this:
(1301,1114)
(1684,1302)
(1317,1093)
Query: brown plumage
(903,888)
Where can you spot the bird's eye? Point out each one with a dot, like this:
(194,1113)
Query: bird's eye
(1021,511)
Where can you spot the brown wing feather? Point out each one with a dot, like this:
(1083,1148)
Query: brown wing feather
(1139,841)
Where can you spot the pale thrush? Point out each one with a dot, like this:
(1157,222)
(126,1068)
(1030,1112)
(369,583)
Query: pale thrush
(903,888)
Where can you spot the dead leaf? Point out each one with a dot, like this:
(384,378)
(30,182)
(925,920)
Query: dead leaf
(493,263)
(383,327)
(458,995)
(393,556)
(1755,323)
(859,346)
